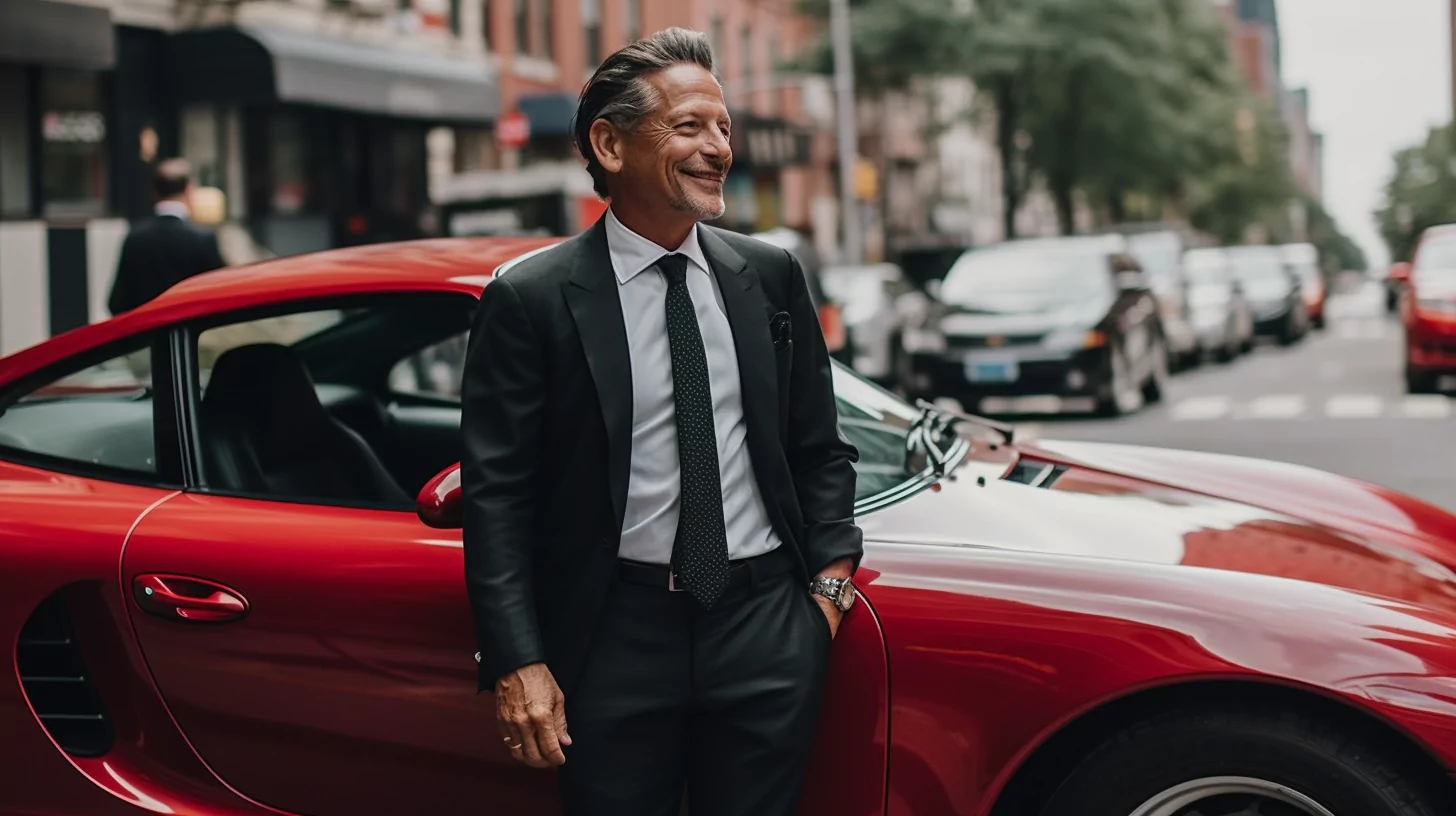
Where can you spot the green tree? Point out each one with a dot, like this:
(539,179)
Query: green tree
(1253,189)
(1337,251)
(1420,194)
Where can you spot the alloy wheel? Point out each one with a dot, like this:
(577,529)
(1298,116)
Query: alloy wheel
(1231,796)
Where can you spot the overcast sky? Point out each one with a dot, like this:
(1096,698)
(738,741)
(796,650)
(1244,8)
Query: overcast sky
(1379,77)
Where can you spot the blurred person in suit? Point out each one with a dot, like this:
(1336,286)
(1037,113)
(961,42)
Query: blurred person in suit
(167,248)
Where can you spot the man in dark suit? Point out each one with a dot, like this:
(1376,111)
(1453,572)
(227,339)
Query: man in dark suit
(165,249)
(659,531)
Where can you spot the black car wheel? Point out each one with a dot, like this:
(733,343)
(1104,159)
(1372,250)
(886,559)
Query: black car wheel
(1254,762)
(1157,384)
(1420,382)
(1121,394)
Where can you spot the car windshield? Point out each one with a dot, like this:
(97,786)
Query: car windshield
(1157,255)
(1043,276)
(1203,266)
(1437,258)
(878,423)
(1259,266)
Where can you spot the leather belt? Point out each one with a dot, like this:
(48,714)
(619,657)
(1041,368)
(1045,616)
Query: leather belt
(740,572)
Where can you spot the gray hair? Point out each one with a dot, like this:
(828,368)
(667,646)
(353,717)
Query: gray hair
(619,93)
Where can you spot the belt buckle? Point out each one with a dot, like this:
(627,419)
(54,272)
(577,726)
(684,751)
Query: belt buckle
(672,582)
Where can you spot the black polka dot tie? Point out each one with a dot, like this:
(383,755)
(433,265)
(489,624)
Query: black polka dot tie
(700,553)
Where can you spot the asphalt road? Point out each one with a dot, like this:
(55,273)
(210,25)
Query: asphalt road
(1336,402)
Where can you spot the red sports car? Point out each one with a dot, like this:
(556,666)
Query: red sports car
(231,586)
(1429,309)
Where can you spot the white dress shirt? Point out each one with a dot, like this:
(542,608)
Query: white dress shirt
(649,526)
(176,209)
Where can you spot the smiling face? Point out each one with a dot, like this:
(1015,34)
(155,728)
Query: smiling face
(673,164)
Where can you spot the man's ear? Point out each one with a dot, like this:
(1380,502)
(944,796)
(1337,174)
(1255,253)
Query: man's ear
(608,144)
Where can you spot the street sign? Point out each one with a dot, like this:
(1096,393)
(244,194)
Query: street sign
(513,130)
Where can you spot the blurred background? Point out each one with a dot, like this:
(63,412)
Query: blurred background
(1044,209)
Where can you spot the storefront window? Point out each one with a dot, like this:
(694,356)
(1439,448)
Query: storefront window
(591,23)
(523,26)
(634,20)
(291,191)
(73,143)
(14,144)
(548,40)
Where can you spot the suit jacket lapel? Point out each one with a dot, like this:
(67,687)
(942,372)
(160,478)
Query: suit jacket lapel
(591,295)
(748,316)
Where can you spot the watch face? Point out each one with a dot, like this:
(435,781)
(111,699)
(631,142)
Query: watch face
(846,596)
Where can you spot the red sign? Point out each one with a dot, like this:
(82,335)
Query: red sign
(513,130)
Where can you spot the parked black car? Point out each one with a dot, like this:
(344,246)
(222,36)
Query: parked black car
(1072,319)
(1274,292)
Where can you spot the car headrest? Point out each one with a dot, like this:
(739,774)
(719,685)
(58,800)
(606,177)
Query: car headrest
(268,386)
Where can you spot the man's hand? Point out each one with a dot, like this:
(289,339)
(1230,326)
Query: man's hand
(531,713)
(843,568)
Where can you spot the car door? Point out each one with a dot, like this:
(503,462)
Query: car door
(318,653)
(320,659)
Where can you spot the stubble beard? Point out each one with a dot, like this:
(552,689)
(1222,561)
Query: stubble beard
(703,210)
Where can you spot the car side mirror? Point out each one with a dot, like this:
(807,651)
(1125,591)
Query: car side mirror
(1400,272)
(440,503)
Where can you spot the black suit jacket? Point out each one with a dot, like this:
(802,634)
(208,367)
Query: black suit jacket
(547,421)
(159,253)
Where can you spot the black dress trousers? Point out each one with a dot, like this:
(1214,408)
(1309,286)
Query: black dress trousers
(721,703)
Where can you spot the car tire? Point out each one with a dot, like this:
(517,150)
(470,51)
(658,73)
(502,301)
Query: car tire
(1157,384)
(1123,396)
(1231,760)
(1420,382)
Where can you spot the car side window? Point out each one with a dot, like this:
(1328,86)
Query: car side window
(284,330)
(434,371)
(100,415)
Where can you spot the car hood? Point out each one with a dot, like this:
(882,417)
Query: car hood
(1193,510)
(1031,316)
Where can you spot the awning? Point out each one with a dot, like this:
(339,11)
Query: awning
(51,33)
(550,113)
(247,65)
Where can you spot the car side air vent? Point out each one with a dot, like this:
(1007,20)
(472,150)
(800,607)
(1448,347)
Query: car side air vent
(1035,473)
(56,682)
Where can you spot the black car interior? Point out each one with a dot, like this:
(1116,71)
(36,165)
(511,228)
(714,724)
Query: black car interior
(265,432)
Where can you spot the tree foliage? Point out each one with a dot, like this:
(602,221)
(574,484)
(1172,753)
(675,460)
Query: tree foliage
(1420,194)
(1116,100)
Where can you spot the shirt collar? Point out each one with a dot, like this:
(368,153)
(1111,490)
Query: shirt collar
(176,209)
(631,253)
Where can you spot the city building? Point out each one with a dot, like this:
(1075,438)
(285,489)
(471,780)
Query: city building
(310,117)
(1255,45)
(529,178)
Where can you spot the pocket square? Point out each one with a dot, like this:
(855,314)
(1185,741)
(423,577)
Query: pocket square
(782,329)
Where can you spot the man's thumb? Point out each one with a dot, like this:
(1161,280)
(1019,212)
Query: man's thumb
(561,735)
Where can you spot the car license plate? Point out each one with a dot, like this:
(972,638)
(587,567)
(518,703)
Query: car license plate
(992,369)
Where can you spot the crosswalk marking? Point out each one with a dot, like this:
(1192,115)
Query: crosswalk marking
(1360,328)
(1210,407)
(1202,408)
(1276,406)
(1354,406)
(1425,406)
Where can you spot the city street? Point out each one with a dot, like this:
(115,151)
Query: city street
(1336,402)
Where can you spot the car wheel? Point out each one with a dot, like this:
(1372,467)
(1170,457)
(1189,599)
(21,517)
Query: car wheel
(1271,762)
(1123,395)
(1157,384)
(1420,382)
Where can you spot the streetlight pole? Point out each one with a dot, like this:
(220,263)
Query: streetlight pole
(844,121)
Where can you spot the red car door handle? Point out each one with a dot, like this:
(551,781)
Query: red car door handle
(194,600)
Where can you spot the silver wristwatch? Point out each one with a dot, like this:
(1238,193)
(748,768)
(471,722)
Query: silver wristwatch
(839,591)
